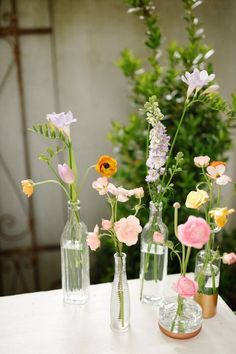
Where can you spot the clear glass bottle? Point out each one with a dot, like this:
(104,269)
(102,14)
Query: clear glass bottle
(74,258)
(180,317)
(207,275)
(120,301)
(154,257)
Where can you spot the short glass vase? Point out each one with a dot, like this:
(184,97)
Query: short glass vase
(74,258)
(180,318)
(207,275)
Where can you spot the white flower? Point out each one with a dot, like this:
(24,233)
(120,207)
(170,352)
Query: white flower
(196,80)
(223,180)
(201,161)
(62,120)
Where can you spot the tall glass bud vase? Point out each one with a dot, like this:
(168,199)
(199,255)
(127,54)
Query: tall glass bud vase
(120,302)
(154,257)
(74,258)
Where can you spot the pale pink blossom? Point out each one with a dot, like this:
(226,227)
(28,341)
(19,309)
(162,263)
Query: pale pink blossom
(223,180)
(120,193)
(229,258)
(194,233)
(211,89)
(127,230)
(138,192)
(93,240)
(66,173)
(201,161)
(101,185)
(196,80)
(185,287)
(217,173)
(106,224)
(62,121)
(158,237)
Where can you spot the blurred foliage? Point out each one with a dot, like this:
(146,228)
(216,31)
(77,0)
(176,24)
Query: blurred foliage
(204,131)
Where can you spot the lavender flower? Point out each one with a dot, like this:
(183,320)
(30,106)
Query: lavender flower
(62,120)
(196,80)
(158,149)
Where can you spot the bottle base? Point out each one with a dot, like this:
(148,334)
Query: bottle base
(75,299)
(120,330)
(179,335)
(152,300)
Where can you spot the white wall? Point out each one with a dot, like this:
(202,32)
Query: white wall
(89,36)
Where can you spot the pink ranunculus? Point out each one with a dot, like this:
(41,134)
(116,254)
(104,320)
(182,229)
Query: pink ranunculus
(101,185)
(93,240)
(185,287)
(66,173)
(229,258)
(127,230)
(201,161)
(106,224)
(194,233)
(158,237)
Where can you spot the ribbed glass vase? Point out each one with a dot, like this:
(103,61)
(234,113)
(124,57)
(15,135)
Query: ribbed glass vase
(75,258)
(120,301)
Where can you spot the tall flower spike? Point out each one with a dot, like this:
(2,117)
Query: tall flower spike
(158,149)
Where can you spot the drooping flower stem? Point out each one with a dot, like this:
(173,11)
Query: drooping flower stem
(53,181)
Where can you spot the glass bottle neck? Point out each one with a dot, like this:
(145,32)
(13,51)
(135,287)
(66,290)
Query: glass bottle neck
(155,211)
(120,262)
(73,210)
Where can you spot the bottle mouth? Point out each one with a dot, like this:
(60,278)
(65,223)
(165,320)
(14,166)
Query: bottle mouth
(117,255)
(73,205)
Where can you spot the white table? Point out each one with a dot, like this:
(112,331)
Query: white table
(40,323)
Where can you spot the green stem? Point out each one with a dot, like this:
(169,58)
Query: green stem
(155,264)
(53,181)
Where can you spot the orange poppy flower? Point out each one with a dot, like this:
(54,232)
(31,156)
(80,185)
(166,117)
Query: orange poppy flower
(27,187)
(106,166)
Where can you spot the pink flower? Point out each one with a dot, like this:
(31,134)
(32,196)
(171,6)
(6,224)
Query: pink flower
(106,224)
(229,258)
(93,240)
(217,173)
(185,287)
(138,192)
(120,193)
(194,233)
(127,230)
(201,161)
(158,237)
(101,185)
(66,173)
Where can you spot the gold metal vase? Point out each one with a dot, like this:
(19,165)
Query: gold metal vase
(208,304)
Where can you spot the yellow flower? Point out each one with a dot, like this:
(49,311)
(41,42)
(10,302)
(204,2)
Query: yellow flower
(106,166)
(196,199)
(220,215)
(27,187)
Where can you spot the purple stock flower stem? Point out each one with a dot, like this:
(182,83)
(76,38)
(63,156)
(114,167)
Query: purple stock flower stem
(147,153)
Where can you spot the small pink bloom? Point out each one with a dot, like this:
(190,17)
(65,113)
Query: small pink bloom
(185,287)
(201,161)
(101,185)
(139,192)
(127,230)
(223,180)
(93,240)
(158,237)
(229,258)
(216,171)
(66,173)
(194,233)
(106,224)
(120,193)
